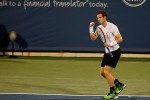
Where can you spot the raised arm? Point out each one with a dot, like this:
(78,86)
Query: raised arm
(93,35)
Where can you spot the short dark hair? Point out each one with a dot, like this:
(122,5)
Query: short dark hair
(103,13)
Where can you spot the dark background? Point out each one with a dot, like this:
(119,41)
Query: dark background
(67,28)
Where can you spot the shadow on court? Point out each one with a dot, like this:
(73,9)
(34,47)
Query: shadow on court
(63,97)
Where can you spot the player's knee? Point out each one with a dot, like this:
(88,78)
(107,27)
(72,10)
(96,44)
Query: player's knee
(102,74)
(106,72)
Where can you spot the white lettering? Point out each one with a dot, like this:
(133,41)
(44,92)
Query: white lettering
(98,4)
(19,4)
(12,3)
(52,3)
(43,3)
(4,3)
(76,3)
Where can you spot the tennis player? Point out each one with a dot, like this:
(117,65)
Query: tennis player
(111,38)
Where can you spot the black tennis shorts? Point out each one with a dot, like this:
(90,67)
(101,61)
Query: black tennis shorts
(112,62)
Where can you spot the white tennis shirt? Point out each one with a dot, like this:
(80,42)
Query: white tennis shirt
(110,31)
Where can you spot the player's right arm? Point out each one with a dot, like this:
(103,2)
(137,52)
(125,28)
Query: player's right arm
(93,35)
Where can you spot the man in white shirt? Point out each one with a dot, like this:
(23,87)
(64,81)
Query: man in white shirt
(111,37)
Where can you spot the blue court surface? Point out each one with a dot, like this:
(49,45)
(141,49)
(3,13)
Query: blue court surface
(20,96)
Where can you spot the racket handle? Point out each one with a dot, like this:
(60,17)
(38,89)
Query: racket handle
(111,55)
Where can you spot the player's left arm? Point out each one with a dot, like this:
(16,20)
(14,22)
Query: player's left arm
(118,40)
(117,36)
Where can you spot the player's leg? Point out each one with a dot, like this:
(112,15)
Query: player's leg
(102,71)
(103,63)
(110,79)
(106,70)
(119,85)
(106,73)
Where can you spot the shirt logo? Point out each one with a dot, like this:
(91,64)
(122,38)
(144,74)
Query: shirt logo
(134,3)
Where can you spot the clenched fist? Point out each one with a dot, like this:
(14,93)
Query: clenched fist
(92,24)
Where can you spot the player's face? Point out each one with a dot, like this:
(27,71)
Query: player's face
(101,19)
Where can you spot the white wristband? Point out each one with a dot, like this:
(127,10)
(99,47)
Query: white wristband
(113,43)
(91,30)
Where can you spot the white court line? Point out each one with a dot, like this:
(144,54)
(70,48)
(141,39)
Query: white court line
(71,94)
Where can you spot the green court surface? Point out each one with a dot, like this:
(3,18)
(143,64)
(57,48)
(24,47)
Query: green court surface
(75,76)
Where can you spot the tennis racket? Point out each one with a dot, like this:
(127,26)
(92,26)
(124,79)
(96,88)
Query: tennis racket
(99,37)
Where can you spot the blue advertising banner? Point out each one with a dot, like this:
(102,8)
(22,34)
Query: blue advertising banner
(63,25)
